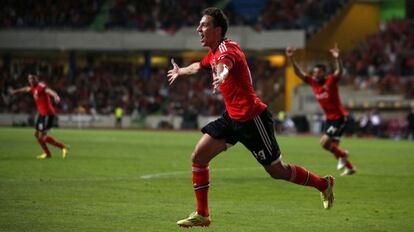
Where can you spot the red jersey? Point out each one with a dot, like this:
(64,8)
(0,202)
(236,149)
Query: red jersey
(327,95)
(240,99)
(42,99)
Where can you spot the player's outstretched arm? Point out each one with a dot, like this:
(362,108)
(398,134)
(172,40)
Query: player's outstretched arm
(298,71)
(176,71)
(25,89)
(53,94)
(338,62)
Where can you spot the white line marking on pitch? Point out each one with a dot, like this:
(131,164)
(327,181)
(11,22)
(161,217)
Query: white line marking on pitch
(167,174)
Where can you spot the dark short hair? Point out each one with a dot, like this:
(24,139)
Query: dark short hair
(321,67)
(219,19)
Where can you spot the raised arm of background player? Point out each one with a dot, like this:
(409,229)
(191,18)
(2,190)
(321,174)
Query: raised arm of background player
(338,62)
(298,71)
(176,71)
(26,89)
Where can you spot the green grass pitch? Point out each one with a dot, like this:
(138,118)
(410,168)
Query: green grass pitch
(141,181)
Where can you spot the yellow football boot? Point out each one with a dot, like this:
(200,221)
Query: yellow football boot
(65,152)
(43,156)
(327,195)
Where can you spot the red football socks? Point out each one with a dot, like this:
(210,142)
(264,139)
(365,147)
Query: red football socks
(201,178)
(338,152)
(44,147)
(54,142)
(301,176)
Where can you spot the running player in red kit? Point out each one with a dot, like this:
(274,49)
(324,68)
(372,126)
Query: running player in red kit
(325,89)
(46,114)
(246,119)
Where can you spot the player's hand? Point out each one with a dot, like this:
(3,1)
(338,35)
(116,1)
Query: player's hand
(57,99)
(12,92)
(335,51)
(290,51)
(217,80)
(173,73)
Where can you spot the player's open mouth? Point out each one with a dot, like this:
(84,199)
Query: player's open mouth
(202,38)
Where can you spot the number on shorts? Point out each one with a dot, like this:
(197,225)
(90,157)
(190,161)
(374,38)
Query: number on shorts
(259,155)
(332,130)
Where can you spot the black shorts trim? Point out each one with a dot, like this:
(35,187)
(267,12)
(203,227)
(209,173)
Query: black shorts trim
(257,135)
(44,122)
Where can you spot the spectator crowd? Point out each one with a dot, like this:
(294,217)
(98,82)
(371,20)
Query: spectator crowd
(48,14)
(165,16)
(99,87)
(385,61)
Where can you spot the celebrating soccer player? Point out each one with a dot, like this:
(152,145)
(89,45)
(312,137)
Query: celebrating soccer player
(46,114)
(246,119)
(325,89)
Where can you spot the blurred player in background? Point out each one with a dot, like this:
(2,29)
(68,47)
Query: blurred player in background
(46,114)
(325,89)
(246,119)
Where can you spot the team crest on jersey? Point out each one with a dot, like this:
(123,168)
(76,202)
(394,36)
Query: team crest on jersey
(221,57)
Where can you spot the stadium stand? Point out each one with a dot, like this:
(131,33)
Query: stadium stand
(385,61)
(168,16)
(164,16)
(297,14)
(18,14)
(100,87)
(149,15)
